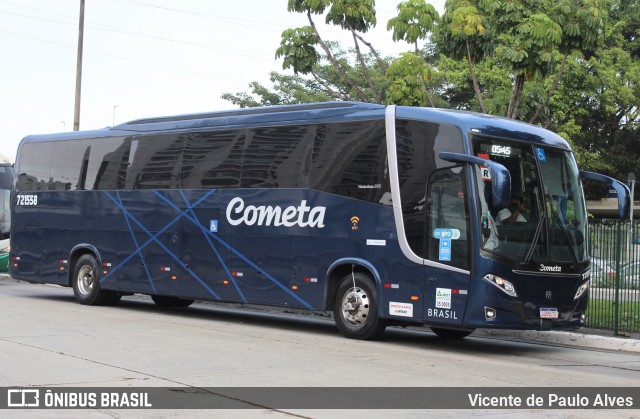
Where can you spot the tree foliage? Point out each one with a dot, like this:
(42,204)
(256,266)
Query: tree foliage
(570,65)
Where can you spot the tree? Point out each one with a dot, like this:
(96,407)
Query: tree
(415,21)
(526,36)
(286,90)
(355,16)
(406,78)
(297,48)
(328,83)
(463,34)
(597,108)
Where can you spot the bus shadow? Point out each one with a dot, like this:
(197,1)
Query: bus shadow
(276,319)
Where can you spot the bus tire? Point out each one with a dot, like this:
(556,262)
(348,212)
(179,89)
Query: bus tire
(451,333)
(164,301)
(355,310)
(86,283)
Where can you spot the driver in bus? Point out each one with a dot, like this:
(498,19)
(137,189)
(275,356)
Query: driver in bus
(513,214)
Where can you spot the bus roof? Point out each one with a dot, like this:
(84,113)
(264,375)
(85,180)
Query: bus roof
(486,125)
(467,122)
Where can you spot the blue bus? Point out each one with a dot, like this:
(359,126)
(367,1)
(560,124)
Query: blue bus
(382,215)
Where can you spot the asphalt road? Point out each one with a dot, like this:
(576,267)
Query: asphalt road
(48,340)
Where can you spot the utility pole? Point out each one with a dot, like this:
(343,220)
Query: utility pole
(76,113)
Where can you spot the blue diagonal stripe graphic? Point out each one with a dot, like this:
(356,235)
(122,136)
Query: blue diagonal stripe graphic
(194,220)
(240,255)
(154,237)
(135,241)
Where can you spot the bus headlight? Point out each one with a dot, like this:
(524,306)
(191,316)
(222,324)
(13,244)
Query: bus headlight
(583,288)
(506,286)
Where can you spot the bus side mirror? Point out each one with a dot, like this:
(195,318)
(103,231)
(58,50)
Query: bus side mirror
(624,194)
(500,177)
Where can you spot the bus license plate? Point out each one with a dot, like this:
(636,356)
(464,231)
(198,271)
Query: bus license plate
(548,313)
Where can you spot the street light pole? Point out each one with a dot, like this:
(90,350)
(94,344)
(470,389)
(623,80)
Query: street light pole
(113,122)
(76,113)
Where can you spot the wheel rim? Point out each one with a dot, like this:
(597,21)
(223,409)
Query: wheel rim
(85,280)
(355,306)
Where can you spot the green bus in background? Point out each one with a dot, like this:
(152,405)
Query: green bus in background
(6,182)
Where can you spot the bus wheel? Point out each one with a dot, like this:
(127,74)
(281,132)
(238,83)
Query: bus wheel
(451,333)
(86,283)
(355,308)
(164,301)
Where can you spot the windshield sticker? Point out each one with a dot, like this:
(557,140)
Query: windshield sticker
(541,154)
(485,172)
(446,233)
(445,250)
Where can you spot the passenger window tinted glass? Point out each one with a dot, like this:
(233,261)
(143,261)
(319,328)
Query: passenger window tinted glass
(277,157)
(212,159)
(350,159)
(155,161)
(418,144)
(69,165)
(33,166)
(108,162)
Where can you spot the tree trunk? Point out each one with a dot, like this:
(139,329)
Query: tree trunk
(336,95)
(365,70)
(381,62)
(474,79)
(556,82)
(424,85)
(361,95)
(516,97)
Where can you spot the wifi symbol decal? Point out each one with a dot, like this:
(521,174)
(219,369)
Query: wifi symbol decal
(354,222)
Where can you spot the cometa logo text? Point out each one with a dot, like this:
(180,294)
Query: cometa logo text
(545,268)
(302,215)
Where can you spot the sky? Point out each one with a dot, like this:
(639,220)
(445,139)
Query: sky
(143,58)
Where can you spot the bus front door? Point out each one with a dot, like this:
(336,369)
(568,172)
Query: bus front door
(447,244)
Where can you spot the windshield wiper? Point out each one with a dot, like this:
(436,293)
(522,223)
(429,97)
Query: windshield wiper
(534,242)
(565,233)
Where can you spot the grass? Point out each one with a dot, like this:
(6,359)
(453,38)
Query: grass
(601,315)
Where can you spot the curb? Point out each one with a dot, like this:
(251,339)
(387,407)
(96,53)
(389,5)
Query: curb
(566,338)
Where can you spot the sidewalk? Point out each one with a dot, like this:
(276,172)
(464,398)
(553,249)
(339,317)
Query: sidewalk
(585,338)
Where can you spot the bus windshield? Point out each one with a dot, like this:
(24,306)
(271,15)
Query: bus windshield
(546,219)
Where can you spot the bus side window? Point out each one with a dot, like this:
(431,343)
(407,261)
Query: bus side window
(418,143)
(155,161)
(108,163)
(34,167)
(277,157)
(69,167)
(350,159)
(212,159)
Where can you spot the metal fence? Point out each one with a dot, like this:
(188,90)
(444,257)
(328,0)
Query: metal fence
(615,276)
